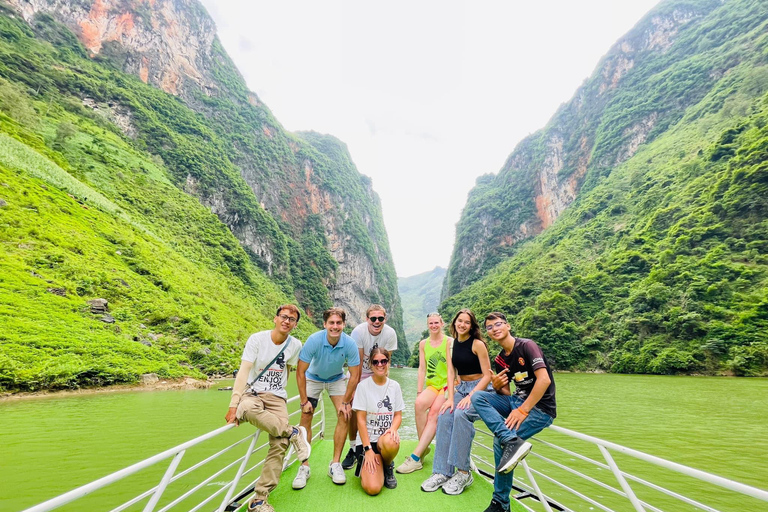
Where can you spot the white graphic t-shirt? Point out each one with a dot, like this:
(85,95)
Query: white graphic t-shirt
(365,340)
(381,403)
(260,350)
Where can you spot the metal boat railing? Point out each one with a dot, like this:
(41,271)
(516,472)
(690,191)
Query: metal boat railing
(556,477)
(543,481)
(170,476)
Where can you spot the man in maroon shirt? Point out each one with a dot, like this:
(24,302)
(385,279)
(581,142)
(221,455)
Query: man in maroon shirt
(514,415)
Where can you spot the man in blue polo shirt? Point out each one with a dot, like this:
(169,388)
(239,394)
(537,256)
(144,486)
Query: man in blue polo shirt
(321,367)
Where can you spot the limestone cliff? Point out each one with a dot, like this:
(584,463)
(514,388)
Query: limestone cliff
(309,219)
(610,116)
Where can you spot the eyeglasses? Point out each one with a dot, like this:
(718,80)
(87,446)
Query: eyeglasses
(377,318)
(379,362)
(288,319)
(494,326)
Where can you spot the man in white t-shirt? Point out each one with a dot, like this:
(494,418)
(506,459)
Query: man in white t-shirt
(374,332)
(259,397)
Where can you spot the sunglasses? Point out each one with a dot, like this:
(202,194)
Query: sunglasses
(494,326)
(379,362)
(377,318)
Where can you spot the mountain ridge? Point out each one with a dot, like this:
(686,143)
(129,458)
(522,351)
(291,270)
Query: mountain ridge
(657,265)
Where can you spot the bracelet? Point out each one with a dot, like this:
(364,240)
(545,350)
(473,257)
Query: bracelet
(520,409)
(346,403)
(303,404)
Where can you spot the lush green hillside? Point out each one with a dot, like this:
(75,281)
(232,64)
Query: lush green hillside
(659,265)
(676,55)
(662,267)
(107,191)
(420,295)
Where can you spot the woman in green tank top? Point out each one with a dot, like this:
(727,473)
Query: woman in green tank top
(433,377)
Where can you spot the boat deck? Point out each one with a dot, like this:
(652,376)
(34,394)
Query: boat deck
(322,494)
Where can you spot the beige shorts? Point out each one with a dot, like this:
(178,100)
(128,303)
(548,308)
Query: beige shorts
(335,388)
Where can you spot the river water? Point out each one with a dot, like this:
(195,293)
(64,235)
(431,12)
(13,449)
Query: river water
(52,444)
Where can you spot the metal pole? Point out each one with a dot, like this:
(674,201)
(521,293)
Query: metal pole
(164,482)
(620,477)
(542,498)
(240,471)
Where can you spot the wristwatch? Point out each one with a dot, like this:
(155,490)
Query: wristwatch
(366,448)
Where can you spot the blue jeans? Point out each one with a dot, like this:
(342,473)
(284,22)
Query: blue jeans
(494,408)
(455,432)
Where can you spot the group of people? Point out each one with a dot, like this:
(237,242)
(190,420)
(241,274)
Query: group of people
(457,385)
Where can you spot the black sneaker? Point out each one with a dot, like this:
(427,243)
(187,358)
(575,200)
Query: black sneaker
(514,451)
(390,482)
(495,506)
(350,459)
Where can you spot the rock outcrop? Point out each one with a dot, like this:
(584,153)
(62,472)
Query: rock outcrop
(286,181)
(603,125)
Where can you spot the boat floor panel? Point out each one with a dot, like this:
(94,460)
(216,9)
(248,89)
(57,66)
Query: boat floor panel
(322,494)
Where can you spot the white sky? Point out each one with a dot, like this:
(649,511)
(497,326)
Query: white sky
(428,95)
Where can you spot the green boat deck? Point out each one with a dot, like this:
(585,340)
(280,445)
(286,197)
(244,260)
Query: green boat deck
(322,494)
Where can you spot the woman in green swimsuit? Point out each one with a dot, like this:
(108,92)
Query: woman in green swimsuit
(430,393)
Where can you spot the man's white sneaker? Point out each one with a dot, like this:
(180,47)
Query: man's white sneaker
(458,482)
(302,476)
(336,472)
(409,466)
(434,482)
(300,443)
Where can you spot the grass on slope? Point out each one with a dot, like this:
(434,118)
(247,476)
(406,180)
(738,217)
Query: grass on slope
(184,294)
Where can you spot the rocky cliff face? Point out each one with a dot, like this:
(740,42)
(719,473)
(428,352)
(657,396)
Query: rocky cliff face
(307,217)
(167,43)
(603,125)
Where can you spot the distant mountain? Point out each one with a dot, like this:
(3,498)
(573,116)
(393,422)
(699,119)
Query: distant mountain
(630,233)
(419,295)
(136,166)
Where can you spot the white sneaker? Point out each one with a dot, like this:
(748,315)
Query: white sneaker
(336,472)
(300,444)
(434,482)
(302,476)
(458,482)
(409,466)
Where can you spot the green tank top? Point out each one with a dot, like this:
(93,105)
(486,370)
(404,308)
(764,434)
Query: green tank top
(437,368)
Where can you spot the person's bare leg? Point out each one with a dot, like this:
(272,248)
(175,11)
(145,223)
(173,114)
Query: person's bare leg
(421,408)
(388,448)
(373,482)
(428,434)
(340,434)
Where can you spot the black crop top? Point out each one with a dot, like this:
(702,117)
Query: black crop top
(464,360)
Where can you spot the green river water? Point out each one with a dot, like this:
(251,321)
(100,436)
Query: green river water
(50,445)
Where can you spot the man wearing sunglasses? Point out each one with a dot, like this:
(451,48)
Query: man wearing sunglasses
(514,416)
(373,333)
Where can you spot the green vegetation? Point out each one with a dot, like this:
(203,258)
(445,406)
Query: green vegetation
(661,268)
(659,265)
(107,191)
(667,74)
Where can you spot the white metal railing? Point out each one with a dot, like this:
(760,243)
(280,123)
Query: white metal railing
(627,494)
(155,493)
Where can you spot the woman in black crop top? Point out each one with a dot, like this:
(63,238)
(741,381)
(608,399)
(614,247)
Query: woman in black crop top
(468,359)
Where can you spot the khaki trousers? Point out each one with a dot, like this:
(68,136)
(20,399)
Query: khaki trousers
(269,413)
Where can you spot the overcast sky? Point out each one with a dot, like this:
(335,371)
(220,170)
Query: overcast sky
(428,95)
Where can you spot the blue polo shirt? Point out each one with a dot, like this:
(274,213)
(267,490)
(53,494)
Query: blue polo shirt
(325,361)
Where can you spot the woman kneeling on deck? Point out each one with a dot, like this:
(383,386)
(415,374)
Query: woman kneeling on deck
(378,407)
